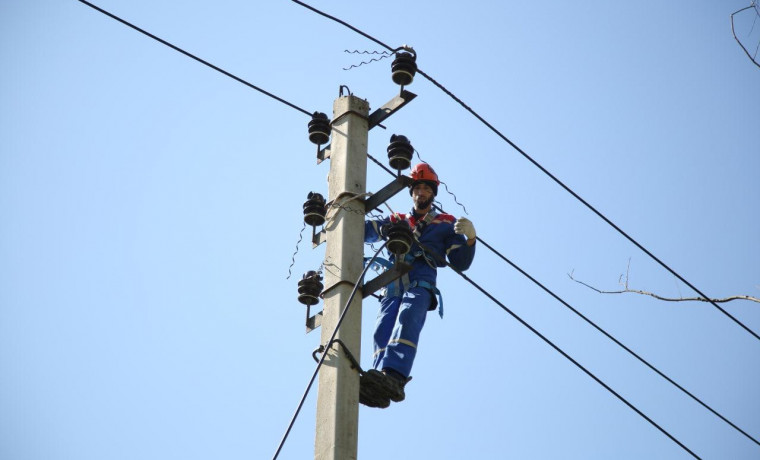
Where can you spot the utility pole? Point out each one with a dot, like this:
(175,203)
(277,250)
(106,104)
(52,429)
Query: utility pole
(338,399)
(337,431)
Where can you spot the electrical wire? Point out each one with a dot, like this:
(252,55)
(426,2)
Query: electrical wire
(342,206)
(446,186)
(293,258)
(192,56)
(377,162)
(382,54)
(617,342)
(539,166)
(327,348)
(557,348)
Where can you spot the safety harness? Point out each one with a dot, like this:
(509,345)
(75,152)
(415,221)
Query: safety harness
(403,284)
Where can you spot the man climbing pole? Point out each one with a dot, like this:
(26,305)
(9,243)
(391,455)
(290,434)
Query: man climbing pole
(406,301)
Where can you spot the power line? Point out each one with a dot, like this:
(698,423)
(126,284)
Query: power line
(366,35)
(327,348)
(558,349)
(623,346)
(539,166)
(192,56)
(377,162)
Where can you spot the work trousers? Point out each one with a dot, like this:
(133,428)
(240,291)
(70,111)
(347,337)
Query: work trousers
(398,327)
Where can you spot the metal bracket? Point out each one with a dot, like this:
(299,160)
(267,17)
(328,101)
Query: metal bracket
(317,238)
(399,269)
(322,349)
(315,321)
(375,118)
(323,154)
(390,107)
(387,192)
(312,322)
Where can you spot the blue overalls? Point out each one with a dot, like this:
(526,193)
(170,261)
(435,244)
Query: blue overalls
(406,301)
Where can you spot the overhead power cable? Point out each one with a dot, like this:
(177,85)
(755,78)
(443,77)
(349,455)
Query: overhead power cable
(327,348)
(623,346)
(558,349)
(598,328)
(539,166)
(192,56)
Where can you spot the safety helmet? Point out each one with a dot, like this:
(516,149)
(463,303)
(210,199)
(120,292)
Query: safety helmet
(424,173)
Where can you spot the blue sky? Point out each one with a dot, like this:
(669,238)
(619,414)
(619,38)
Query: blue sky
(151,207)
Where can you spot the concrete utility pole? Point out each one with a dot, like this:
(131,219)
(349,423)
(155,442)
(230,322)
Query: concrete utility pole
(338,398)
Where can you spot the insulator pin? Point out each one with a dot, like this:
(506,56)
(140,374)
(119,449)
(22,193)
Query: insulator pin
(309,288)
(400,152)
(319,128)
(403,68)
(314,209)
(400,238)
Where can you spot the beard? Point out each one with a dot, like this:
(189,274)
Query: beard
(421,204)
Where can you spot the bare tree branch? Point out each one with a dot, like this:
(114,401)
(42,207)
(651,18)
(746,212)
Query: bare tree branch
(752,58)
(624,283)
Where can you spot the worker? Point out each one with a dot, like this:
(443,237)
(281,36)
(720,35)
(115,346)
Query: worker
(405,303)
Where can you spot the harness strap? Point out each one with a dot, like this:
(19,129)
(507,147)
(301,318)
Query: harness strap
(420,226)
(403,284)
(434,290)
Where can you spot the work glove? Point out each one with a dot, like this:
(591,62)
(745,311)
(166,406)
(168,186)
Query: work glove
(463,226)
(394,219)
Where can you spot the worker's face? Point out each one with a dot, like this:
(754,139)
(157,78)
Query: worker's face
(422,195)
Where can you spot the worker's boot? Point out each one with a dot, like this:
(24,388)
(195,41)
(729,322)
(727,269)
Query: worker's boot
(371,390)
(378,389)
(394,384)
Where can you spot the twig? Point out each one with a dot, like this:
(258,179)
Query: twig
(626,289)
(752,5)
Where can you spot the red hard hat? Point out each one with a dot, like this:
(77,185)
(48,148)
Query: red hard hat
(423,172)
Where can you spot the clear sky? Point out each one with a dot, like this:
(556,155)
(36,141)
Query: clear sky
(150,208)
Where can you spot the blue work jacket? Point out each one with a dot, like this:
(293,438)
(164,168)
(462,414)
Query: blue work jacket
(437,235)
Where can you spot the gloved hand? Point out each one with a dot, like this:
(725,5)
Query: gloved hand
(463,226)
(394,219)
